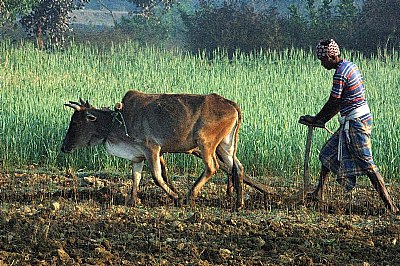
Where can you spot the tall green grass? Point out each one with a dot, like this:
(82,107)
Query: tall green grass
(273,89)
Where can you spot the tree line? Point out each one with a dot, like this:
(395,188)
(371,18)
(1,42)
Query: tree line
(236,25)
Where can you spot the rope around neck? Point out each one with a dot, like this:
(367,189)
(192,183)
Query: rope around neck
(121,122)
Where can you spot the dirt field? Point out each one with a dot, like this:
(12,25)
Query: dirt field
(67,219)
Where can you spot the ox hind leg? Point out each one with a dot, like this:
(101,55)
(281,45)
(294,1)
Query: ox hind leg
(233,167)
(209,158)
(164,173)
(227,168)
(226,161)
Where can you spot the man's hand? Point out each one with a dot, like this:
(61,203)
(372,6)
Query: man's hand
(309,120)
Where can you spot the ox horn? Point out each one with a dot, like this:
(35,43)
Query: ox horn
(74,105)
(86,104)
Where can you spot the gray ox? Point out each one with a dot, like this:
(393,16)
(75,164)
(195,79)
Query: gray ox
(144,126)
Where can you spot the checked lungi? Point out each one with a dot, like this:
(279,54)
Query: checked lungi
(356,150)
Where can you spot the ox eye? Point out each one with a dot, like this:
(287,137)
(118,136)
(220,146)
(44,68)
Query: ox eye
(91,117)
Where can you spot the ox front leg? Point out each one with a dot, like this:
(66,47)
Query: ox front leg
(211,166)
(137,168)
(156,169)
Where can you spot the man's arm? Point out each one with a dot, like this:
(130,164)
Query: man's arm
(329,110)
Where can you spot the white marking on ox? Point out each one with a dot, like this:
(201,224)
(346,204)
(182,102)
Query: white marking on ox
(123,150)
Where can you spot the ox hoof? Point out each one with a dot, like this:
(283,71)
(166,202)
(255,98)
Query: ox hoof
(239,206)
(394,210)
(229,191)
(179,201)
(133,202)
(192,199)
(314,196)
(192,202)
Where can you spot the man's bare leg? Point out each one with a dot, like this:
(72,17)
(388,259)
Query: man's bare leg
(318,193)
(378,183)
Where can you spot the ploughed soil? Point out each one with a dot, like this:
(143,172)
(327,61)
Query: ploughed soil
(84,219)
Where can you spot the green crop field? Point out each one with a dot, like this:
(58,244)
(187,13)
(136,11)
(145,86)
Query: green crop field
(273,89)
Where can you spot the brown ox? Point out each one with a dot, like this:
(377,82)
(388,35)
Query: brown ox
(144,126)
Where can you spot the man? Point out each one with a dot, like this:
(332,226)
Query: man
(347,153)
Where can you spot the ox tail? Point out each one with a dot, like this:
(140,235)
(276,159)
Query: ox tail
(237,129)
(237,169)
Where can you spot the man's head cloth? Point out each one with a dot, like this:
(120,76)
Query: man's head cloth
(327,48)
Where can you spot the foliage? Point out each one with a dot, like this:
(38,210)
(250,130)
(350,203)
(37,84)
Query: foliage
(148,7)
(380,19)
(232,26)
(144,30)
(345,23)
(295,27)
(164,27)
(49,21)
(9,9)
(320,22)
(235,25)
(229,25)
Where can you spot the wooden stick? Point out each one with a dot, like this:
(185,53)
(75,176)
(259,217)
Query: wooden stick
(307,181)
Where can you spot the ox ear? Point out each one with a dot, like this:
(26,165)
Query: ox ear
(76,106)
(90,117)
(85,103)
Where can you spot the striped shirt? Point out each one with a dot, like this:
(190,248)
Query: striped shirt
(348,86)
